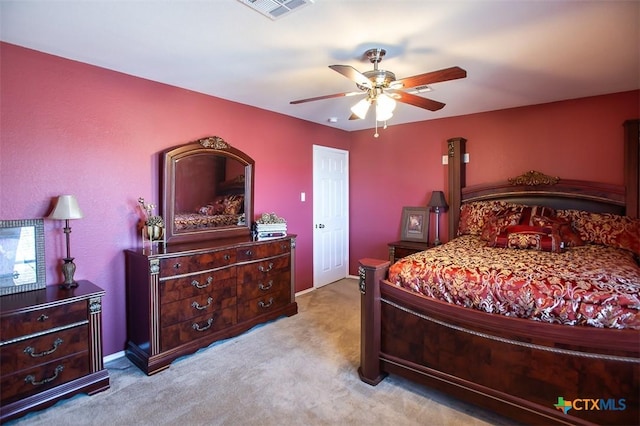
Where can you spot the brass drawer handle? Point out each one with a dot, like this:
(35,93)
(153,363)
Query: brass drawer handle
(267,269)
(197,327)
(248,253)
(197,284)
(29,350)
(227,257)
(201,307)
(31,379)
(42,318)
(177,265)
(265,287)
(266,305)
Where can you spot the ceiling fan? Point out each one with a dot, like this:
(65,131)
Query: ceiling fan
(383,90)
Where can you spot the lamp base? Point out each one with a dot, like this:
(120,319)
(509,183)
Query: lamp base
(68,269)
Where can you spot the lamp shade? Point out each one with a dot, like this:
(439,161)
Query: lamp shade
(360,109)
(437,201)
(66,208)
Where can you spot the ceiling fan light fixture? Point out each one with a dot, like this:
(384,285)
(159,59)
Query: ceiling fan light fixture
(360,109)
(385,106)
(382,115)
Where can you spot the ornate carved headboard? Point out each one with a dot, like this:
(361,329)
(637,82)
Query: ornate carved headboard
(537,188)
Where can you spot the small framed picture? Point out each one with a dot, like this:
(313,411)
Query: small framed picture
(415,224)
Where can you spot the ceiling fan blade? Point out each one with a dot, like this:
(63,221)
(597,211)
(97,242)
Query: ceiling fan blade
(319,98)
(418,101)
(446,74)
(352,74)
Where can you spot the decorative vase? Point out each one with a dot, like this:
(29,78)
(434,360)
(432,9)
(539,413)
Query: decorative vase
(155,232)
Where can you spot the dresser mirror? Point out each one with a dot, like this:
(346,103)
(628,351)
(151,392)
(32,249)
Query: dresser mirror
(22,265)
(207,191)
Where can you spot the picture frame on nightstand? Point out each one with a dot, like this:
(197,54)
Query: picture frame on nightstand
(415,224)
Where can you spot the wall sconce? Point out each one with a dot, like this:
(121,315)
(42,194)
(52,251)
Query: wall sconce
(66,208)
(437,204)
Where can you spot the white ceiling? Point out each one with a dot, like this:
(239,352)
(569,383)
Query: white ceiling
(515,52)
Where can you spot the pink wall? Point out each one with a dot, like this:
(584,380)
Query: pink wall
(72,128)
(577,139)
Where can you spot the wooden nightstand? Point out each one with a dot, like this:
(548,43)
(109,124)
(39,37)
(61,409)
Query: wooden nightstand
(51,347)
(400,249)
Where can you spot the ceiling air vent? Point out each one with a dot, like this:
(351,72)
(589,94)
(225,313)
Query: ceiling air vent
(275,9)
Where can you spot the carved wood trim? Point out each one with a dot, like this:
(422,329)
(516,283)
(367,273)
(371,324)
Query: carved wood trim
(213,142)
(534,178)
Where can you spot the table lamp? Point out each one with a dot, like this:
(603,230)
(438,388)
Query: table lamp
(437,204)
(67,208)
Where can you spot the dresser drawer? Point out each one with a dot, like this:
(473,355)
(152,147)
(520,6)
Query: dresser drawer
(40,320)
(260,251)
(196,262)
(191,307)
(260,271)
(37,379)
(198,327)
(270,283)
(250,309)
(196,285)
(32,352)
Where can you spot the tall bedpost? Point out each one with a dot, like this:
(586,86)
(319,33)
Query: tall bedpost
(456,148)
(371,271)
(631,167)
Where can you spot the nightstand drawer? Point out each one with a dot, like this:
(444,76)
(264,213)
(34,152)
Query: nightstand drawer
(43,377)
(39,320)
(38,350)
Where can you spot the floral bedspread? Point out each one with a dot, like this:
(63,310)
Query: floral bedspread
(592,285)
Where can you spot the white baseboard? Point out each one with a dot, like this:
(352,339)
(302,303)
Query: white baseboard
(113,357)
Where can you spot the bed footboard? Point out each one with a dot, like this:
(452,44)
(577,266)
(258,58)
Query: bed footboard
(522,369)
(371,271)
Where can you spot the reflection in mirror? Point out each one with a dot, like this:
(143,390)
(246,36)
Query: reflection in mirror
(208,188)
(21,255)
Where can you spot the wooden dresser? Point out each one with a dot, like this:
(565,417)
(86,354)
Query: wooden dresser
(50,347)
(184,297)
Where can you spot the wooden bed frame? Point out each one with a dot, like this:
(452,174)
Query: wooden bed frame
(518,368)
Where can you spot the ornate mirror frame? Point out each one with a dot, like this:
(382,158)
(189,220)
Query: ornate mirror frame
(211,148)
(22,264)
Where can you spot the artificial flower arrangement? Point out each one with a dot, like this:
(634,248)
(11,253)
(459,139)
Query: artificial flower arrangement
(153,223)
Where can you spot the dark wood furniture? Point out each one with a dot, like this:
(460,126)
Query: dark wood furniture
(519,368)
(51,347)
(400,249)
(187,296)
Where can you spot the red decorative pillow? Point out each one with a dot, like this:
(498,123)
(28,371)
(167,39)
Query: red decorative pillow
(473,216)
(561,226)
(528,237)
(606,228)
(495,225)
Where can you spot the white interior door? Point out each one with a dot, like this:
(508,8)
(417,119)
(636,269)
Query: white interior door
(330,215)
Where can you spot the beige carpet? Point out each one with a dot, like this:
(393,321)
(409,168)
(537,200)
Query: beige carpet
(294,371)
